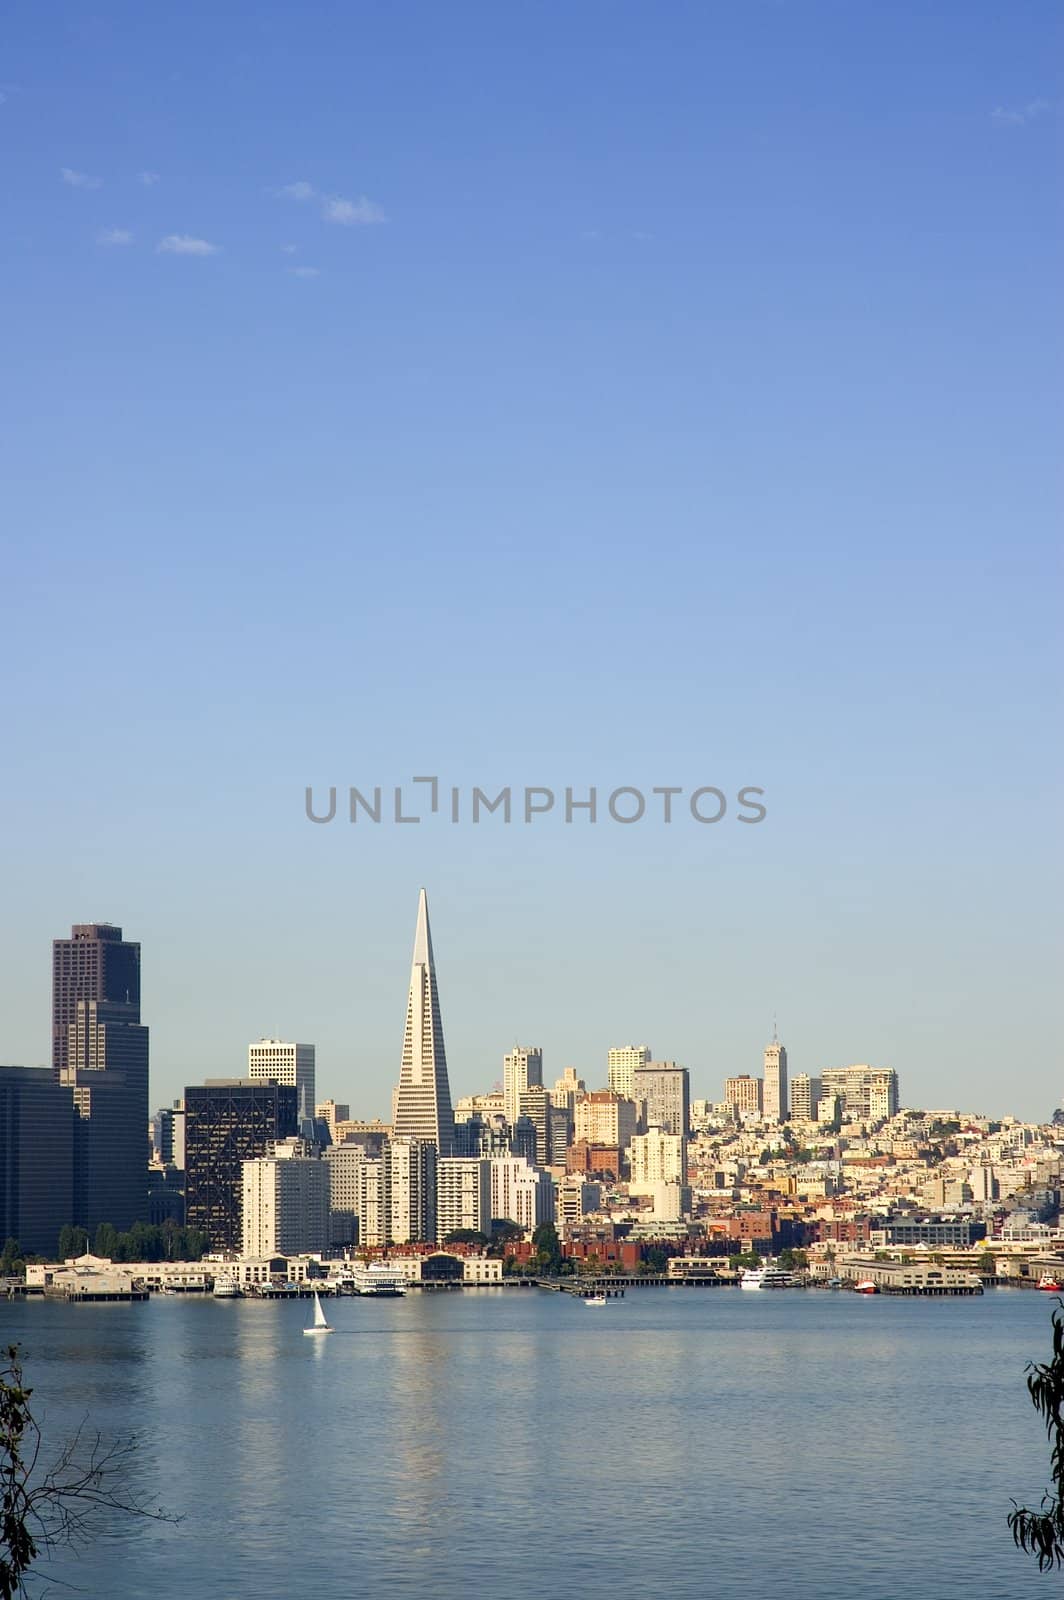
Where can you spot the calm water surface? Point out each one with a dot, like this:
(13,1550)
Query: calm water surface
(681,1443)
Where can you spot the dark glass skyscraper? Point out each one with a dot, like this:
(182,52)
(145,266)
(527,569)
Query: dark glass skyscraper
(36,1158)
(229,1121)
(100,1052)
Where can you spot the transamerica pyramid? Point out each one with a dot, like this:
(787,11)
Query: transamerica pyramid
(423,1099)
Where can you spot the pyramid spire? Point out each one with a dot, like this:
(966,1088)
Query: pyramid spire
(423,1100)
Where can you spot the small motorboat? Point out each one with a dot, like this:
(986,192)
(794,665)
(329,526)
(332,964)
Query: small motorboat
(598,1299)
(1048,1283)
(866,1286)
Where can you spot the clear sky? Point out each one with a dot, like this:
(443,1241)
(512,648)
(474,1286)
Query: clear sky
(588,394)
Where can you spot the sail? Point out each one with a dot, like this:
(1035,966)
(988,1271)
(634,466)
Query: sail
(319,1314)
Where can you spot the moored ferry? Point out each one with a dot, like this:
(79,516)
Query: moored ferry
(377,1277)
(226,1289)
(766,1278)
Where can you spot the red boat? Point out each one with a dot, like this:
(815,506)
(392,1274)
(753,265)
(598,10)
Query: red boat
(866,1286)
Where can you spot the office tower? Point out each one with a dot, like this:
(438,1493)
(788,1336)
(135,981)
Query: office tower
(423,1097)
(656,1157)
(522,1068)
(665,1090)
(775,1081)
(161,1132)
(285,1210)
(604,1117)
(534,1103)
(566,1088)
(561,1132)
(804,1095)
(520,1192)
(410,1174)
(100,1054)
(744,1093)
(463,1196)
(179,1134)
(229,1121)
(95,963)
(621,1062)
(283,1062)
(36,1158)
(330,1113)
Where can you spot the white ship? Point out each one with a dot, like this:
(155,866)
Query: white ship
(377,1278)
(226,1289)
(766,1278)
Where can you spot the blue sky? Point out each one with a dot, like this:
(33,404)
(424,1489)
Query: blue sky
(589,395)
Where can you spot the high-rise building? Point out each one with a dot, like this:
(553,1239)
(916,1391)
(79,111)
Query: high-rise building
(744,1093)
(358,1195)
(574,1198)
(561,1133)
(775,1103)
(95,963)
(566,1088)
(854,1085)
(665,1090)
(621,1062)
(330,1113)
(36,1158)
(606,1118)
(100,1053)
(282,1061)
(534,1103)
(410,1175)
(463,1189)
(423,1097)
(804,1095)
(161,1134)
(656,1157)
(229,1121)
(520,1192)
(521,1068)
(285,1210)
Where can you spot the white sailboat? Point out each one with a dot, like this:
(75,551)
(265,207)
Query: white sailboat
(319,1325)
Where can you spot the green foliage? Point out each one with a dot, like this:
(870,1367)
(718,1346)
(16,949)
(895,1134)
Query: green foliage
(547,1251)
(793,1260)
(145,1241)
(656,1258)
(466,1236)
(749,1258)
(1041,1533)
(11,1261)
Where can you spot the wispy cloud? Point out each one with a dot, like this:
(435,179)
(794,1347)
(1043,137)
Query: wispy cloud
(79,180)
(305,272)
(111,236)
(296,191)
(184,244)
(1017,116)
(289,249)
(352,213)
(148,179)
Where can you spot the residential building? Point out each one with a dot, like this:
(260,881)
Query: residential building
(330,1113)
(534,1103)
(521,1068)
(605,1118)
(854,1084)
(745,1094)
(566,1089)
(665,1091)
(621,1062)
(656,1157)
(574,1199)
(520,1192)
(410,1175)
(463,1195)
(804,1097)
(285,1208)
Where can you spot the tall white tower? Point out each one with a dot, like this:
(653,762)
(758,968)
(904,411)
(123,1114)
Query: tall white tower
(422,1106)
(287,1063)
(622,1063)
(775,1083)
(520,1069)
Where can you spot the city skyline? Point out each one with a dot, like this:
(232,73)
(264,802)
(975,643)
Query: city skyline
(671,407)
